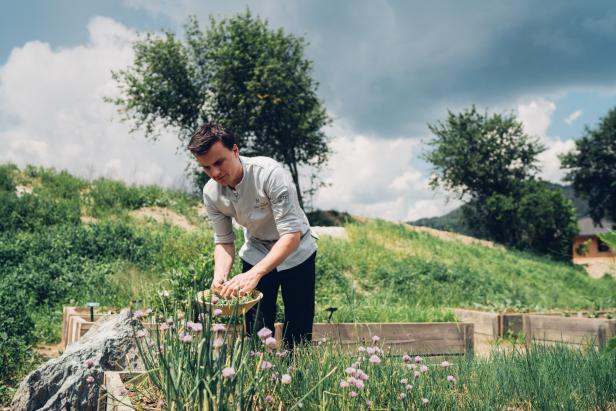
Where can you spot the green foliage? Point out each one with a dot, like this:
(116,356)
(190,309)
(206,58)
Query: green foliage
(16,331)
(329,218)
(480,154)
(6,177)
(609,239)
(254,80)
(531,218)
(592,167)
(492,162)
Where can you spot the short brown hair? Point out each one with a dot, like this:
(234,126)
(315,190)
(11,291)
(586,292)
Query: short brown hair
(207,135)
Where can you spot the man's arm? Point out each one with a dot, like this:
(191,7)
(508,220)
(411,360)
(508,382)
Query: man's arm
(224,255)
(246,282)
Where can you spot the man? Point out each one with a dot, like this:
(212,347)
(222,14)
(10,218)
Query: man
(279,251)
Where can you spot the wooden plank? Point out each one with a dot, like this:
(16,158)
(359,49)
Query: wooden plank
(485,323)
(572,330)
(114,397)
(425,338)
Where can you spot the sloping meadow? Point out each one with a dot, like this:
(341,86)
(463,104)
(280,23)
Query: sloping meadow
(68,241)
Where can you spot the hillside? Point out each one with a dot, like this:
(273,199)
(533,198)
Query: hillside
(452,221)
(65,240)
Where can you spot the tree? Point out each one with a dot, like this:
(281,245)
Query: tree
(592,168)
(253,80)
(490,161)
(478,155)
(533,217)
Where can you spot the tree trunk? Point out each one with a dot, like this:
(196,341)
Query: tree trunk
(295,175)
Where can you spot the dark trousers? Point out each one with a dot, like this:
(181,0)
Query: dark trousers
(297,286)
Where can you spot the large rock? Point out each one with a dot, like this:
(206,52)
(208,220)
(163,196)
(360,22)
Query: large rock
(60,383)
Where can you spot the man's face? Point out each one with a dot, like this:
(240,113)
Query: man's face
(222,164)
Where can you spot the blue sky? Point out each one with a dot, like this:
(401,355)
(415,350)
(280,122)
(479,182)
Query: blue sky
(386,69)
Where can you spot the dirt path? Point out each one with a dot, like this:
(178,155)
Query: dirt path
(163,216)
(448,236)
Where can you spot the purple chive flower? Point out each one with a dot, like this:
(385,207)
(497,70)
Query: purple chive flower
(417,374)
(285,379)
(450,378)
(228,372)
(214,299)
(423,368)
(266,365)
(359,384)
(375,359)
(411,366)
(141,333)
(163,327)
(418,359)
(402,396)
(197,327)
(218,327)
(282,354)
(361,348)
(270,342)
(409,387)
(362,375)
(371,350)
(404,381)
(344,384)
(89,363)
(425,400)
(89,379)
(445,364)
(368,403)
(217,312)
(138,314)
(376,338)
(406,358)
(264,333)
(353,394)
(350,370)
(269,399)
(186,338)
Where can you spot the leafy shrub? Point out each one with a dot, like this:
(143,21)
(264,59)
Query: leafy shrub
(6,177)
(16,331)
(29,212)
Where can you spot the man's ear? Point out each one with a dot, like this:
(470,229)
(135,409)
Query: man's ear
(236,149)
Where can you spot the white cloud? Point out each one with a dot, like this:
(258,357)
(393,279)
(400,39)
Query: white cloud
(550,162)
(377,177)
(571,118)
(536,116)
(54,113)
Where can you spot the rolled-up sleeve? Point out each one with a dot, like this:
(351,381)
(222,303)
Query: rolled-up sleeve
(223,227)
(283,198)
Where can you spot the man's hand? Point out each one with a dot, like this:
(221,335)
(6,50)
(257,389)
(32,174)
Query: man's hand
(245,283)
(217,283)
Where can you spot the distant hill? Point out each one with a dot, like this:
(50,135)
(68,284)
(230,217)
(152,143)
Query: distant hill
(452,221)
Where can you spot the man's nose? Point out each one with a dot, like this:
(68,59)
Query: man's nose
(215,172)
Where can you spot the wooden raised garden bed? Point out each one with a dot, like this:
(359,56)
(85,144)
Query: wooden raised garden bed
(113,396)
(76,322)
(541,327)
(570,330)
(417,338)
